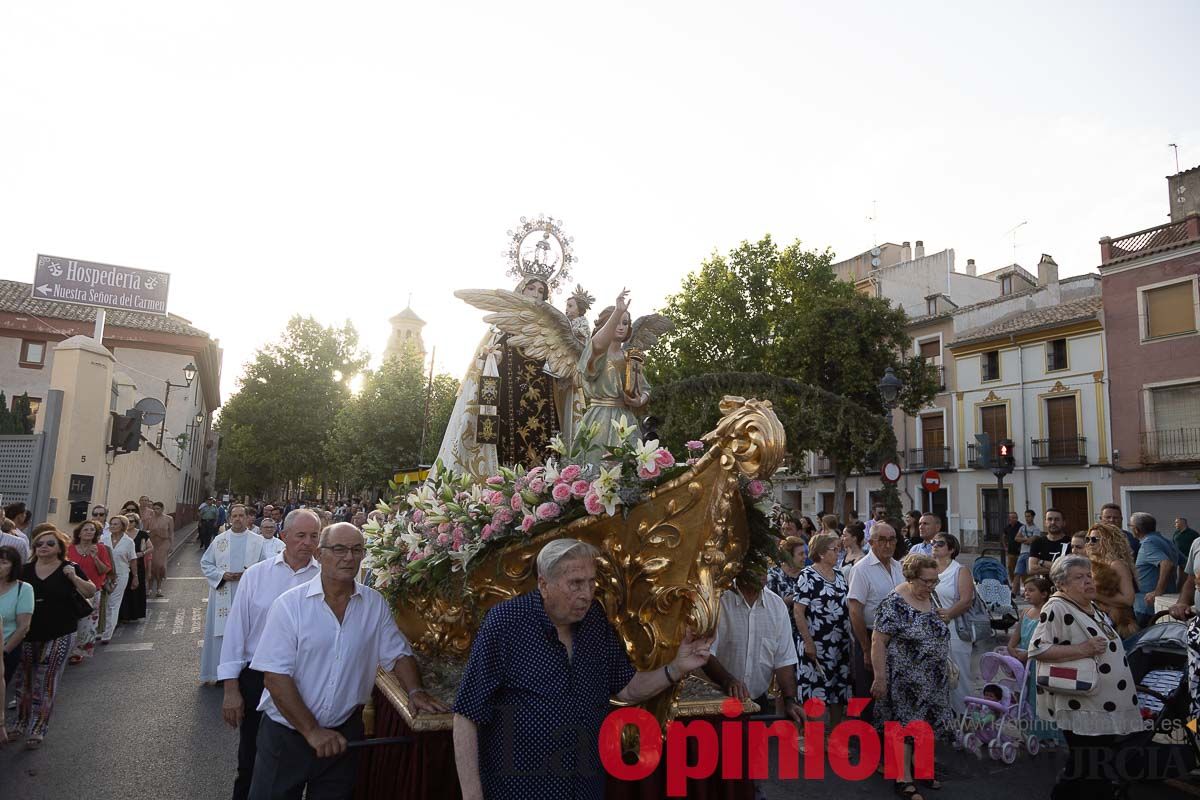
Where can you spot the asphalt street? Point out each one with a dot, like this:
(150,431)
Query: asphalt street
(134,722)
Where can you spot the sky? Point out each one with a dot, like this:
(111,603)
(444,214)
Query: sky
(333,159)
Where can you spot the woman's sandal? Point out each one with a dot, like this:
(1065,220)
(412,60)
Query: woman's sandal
(33,743)
(907,791)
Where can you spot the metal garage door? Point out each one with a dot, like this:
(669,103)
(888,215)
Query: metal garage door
(1165,505)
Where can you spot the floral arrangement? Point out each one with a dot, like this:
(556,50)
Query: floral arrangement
(443,526)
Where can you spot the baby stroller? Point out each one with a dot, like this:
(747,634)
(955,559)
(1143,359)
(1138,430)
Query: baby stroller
(1004,725)
(992,586)
(1158,659)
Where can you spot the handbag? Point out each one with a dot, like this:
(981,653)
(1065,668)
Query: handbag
(81,605)
(1078,677)
(953,673)
(975,624)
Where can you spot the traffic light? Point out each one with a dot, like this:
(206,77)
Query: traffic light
(126,432)
(1005,458)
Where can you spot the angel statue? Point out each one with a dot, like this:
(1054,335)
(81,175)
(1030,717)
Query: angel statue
(569,396)
(505,411)
(611,367)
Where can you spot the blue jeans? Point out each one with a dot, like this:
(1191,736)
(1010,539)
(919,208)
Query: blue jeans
(1023,564)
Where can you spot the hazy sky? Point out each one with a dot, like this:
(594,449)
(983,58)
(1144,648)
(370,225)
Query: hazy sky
(331,158)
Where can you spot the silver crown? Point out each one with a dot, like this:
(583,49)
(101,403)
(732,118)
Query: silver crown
(541,261)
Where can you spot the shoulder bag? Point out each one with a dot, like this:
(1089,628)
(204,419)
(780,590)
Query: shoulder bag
(81,605)
(1079,676)
(952,670)
(974,624)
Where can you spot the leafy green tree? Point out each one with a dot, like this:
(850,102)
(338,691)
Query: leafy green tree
(275,427)
(19,420)
(765,313)
(379,430)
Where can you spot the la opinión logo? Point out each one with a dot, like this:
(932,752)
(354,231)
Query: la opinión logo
(736,737)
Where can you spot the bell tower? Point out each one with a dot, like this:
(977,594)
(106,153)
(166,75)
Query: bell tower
(406,332)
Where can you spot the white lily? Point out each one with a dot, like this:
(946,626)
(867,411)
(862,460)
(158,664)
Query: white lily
(558,445)
(608,480)
(610,500)
(646,455)
(623,430)
(551,474)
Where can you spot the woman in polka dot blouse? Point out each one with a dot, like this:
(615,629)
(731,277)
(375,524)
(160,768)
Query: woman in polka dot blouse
(1072,627)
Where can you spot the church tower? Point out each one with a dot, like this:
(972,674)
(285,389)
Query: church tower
(406,332)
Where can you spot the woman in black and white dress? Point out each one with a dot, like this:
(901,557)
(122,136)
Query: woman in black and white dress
(823,623)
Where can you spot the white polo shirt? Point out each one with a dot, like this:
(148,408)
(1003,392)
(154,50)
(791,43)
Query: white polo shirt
(259,588)
(754,641)
(870,582)
(333,664)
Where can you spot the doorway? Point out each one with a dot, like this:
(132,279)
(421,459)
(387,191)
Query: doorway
(1072,501)
(937,503)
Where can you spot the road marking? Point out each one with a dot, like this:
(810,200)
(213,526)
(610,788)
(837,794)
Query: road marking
(160,622)
(177,628)
(197,619)
(159,600)
(129,648)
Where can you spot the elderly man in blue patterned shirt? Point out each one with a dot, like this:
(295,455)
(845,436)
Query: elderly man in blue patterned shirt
(537,686)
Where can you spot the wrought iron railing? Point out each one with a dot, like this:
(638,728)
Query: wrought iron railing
(822,465)
(974,456)
(1150,239)
(1170,444)
(929,458)
(1066,450)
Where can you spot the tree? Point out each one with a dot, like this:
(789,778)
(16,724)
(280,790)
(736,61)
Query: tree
(379,430)
(275,428)
(767,313)
(19,420)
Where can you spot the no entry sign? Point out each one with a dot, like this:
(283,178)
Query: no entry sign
(931,481)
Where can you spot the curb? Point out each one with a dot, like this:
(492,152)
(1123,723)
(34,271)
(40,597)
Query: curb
(182,537)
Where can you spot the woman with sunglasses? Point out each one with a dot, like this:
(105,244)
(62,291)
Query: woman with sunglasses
(124,560)
(1112,569)
(92,557)
(956,593)
(47,646)
(909,650)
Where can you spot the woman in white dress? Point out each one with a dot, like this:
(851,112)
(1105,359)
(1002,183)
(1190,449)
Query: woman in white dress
(955,594)
(124,556)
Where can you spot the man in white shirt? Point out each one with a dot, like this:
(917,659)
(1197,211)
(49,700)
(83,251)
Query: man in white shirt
(872,579)
(753,644)
(259,587)
(929,525)
(320,649)
(273,544)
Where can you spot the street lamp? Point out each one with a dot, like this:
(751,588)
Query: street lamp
(189,375)
(889,389)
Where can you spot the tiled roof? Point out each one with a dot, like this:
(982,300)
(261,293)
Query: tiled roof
(14,298)
(1027,320)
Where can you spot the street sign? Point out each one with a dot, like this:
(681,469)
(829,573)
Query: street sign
(65,280)
(931,481)
(890,472)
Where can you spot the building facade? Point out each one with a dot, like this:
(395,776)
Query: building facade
(1150,281)
(150,351)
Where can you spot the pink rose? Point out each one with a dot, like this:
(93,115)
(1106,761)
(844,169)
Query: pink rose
(695,444)
(561,492)
(458,539)
(756,489)
(443,539)
(494,498)
(664,458)
(527,522)
(536,472)
(502,517)
(580,488)
(414,555)
(495,480)
(592,504)
(548,511)
(515,502)
(646,473)
(444,527)
(570,472)
(691,462)
(487,532)
(460,497)
(537,486)
(418,516)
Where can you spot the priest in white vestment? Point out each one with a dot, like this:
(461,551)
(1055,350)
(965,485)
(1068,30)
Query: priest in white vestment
(230,553)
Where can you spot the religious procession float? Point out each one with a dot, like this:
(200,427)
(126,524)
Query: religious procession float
(544,442)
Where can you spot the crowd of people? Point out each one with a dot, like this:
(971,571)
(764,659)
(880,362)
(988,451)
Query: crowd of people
(62,593)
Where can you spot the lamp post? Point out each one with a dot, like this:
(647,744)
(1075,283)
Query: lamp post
(889,392)
(189,375)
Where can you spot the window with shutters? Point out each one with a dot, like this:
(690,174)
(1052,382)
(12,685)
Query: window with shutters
(989,366)
(1176,407)
(993,420)
(931,350)
(1168,310)
(1056,355)
(1006,284)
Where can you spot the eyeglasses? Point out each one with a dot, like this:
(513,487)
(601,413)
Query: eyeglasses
(100,513)
(46,543)
(929,581)
(341,551)
(1093,540)
(939,543)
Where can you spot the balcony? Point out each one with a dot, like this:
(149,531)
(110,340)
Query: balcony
(1059,452)
(974,457)
(940,374)
(1150,240)
(929,458)
(822,465)
(1172,445)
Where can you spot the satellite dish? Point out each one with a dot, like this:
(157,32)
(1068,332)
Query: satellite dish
(876,251)
(874,262)
(153,411)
